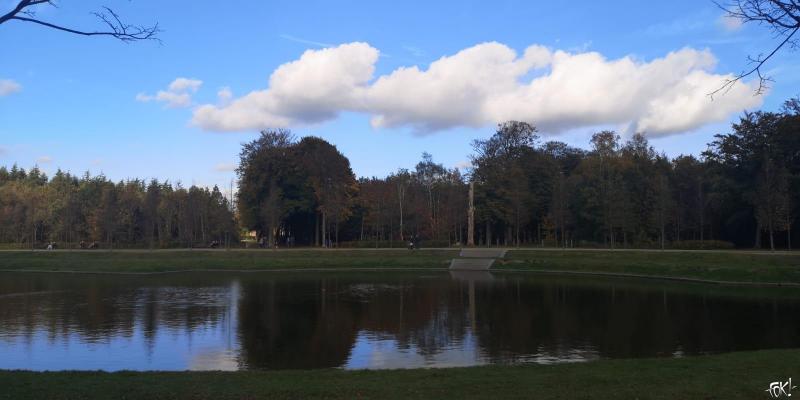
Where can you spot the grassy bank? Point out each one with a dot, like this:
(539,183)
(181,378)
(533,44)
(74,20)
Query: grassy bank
(179,260)
(731,266)
(728,376)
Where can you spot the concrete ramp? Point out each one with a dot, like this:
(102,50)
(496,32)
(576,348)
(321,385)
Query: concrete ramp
(483,253)
(471,264)
(471,275)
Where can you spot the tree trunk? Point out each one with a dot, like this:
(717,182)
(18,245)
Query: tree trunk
(316,229)
(771,238)
(324,231)
(757,244)
(400,196)
(611,235)
(471,216)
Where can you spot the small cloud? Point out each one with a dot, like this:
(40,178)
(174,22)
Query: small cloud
(225,167)
(7,87)
(178,93)
(44,160)
(185,85)
(97,161)
(730,23)
(3,150)
(463,165)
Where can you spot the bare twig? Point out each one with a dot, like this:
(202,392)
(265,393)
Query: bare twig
(781,16)
(116,27)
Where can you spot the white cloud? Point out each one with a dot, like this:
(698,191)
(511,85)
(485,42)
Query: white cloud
(730,23)
(486,84)
(462,165)
(44,160)
(314,88)
(7,87)
(178,94)
(185,85)
(225,167)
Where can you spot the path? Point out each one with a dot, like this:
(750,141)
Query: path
(476,259)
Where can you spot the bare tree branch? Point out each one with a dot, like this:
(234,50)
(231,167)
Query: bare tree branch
(116,28)
(781,16)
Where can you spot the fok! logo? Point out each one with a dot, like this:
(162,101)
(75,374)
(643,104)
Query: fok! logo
(778,390)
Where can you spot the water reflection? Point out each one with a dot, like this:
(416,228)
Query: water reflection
(288,321)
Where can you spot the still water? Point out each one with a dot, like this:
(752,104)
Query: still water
(219,321)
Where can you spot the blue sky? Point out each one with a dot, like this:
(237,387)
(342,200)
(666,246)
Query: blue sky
(77,106)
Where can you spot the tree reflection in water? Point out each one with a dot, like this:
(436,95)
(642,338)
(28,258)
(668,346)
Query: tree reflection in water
(373,320)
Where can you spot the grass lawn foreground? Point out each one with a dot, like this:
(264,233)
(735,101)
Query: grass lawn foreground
(744,375)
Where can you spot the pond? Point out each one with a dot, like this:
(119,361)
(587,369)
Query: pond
(225,321)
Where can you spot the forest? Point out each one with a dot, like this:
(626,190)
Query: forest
(743,191)
(36,210)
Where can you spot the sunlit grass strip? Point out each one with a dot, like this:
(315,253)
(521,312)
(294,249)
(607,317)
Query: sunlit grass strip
(732,266)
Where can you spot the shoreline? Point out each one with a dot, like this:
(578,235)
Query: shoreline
(381,249)
(411,269)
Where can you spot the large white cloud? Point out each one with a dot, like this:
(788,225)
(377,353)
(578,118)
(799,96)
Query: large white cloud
(486,84)
(7,87)
(314,88)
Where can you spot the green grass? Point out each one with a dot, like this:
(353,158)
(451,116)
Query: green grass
(180,260)
(727,376)
(730,266)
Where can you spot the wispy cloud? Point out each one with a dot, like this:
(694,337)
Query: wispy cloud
(725,40)
(224,95)
(414,50)
(730,23)
(582,48)
(305,41)
(7,87)
(694,24)
(225,167)
(44,160)
(680,26)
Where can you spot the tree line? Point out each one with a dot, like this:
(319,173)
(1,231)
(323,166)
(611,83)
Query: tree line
(741,192)
(92,211)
